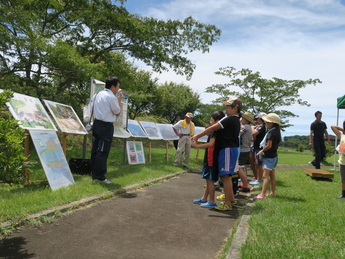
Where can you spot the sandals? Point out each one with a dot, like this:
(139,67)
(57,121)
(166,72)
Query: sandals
(259,197)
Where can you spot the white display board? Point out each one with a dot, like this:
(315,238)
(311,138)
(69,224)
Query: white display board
(52,158)
(198,130)
(135,152)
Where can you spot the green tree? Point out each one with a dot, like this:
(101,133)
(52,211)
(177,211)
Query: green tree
(12,158)
(204,112)
(50,49)
(259,94)
(175,100)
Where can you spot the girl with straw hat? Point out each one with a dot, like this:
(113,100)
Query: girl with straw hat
(269,153)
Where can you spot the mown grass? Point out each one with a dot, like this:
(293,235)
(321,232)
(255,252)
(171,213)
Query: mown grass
(304,220)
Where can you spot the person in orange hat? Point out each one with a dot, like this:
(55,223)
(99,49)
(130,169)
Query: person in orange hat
(184,129)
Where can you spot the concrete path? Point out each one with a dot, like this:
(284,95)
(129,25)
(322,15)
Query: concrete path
(158,221)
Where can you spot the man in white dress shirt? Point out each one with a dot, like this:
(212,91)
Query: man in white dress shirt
(106,106)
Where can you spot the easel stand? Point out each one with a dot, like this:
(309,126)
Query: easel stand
(27,154)
(149,154)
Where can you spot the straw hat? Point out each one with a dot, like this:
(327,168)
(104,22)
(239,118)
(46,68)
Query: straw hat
(272,117)
(249,117)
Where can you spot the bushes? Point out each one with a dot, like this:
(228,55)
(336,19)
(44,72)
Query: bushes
(12,157)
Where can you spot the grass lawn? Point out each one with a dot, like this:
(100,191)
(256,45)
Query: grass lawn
(304,220)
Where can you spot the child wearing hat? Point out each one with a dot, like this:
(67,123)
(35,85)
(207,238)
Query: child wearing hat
(227,147)
(269,153)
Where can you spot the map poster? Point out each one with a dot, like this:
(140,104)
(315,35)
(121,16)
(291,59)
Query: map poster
(151,130)
(66,118)
(198,130)
(52,158)
(30,112)
(136,130)
(166,131)
(135,152)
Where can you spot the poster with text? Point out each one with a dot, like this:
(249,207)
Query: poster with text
(52,158)
(151,130)
(30,112)
(135,152)
(66,118)
(166,131)
(198,130)
(135,129)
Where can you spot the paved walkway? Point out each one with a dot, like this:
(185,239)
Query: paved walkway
(158,221)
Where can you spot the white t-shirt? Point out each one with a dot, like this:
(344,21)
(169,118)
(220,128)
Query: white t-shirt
(179,129)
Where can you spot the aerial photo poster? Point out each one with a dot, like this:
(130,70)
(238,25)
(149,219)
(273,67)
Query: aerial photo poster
(66,118)
(30,112)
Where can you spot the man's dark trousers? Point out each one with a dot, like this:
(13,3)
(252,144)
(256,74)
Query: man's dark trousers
(320,153)
(102,137)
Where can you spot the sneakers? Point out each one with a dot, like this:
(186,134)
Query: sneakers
(223,207)
(243,189)
(208,205)
(106,181)
(259,197)
(256,182)
(341,197)
(221,197)
(199,201)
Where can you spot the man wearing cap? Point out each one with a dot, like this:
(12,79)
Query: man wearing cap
(246,139)
(185,130)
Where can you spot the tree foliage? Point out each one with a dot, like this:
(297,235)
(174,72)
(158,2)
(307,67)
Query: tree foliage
(260,94)
(48,47)
(12,158)
(175,100)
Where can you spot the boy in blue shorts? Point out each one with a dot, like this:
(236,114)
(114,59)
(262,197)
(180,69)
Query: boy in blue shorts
(227,147)
(209,171)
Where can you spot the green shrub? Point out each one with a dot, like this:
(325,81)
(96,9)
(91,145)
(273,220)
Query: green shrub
(12,156)
(300,147)
(329,151)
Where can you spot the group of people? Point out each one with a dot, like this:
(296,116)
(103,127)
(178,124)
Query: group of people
(232,144)
(228,151)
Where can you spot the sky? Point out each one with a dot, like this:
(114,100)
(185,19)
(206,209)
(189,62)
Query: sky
(287,39)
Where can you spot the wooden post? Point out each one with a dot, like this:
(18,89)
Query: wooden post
(197,155)
(149,155)
(166,151)
(63,142)
(27,154)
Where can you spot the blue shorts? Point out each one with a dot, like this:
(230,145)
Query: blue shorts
(227,159)
(270,163)
(209,172)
